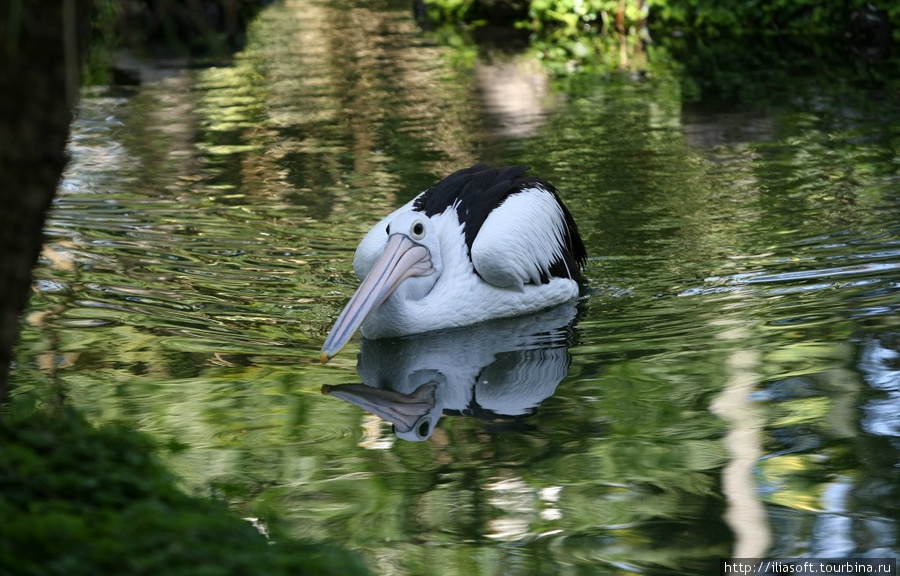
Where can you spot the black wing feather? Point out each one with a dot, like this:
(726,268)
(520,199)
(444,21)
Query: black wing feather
(476,191)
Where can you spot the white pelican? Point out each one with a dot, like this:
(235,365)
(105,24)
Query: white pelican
(482,243)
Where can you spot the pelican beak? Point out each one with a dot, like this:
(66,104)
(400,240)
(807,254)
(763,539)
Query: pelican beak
(402,258)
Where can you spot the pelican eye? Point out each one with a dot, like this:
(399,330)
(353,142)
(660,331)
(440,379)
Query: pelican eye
(422,431)
(417,230)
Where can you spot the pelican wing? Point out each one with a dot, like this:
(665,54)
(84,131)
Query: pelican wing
(528,238)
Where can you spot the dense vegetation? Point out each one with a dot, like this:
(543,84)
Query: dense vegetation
(722,51)
(696,17)
(76,499)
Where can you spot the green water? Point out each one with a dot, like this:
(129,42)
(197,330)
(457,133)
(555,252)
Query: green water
(728,385)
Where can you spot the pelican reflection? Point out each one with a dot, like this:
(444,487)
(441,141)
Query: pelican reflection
(504,367)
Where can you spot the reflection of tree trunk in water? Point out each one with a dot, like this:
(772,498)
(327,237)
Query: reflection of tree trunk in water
(620,28)
(42,43)
(746,513)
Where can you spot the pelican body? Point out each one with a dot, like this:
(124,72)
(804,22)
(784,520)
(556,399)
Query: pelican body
(482,243)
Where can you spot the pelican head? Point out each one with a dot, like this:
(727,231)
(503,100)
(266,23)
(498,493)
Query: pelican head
(403,263)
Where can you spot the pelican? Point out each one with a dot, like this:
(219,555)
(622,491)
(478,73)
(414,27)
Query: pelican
(482,243)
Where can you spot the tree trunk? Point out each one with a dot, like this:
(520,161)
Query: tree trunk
(42,46)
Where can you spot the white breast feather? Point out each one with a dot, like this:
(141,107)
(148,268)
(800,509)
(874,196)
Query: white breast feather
(520,239)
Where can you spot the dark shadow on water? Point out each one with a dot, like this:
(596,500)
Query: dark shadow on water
(734,72)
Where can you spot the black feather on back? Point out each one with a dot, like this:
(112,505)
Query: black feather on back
(478,190)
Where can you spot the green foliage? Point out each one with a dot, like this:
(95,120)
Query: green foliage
(105,40)
(705,17)
(76,499)
(716,47)
(709,18)
(453,10)
(577,16)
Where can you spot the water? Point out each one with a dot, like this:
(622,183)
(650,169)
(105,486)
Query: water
(728,385)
